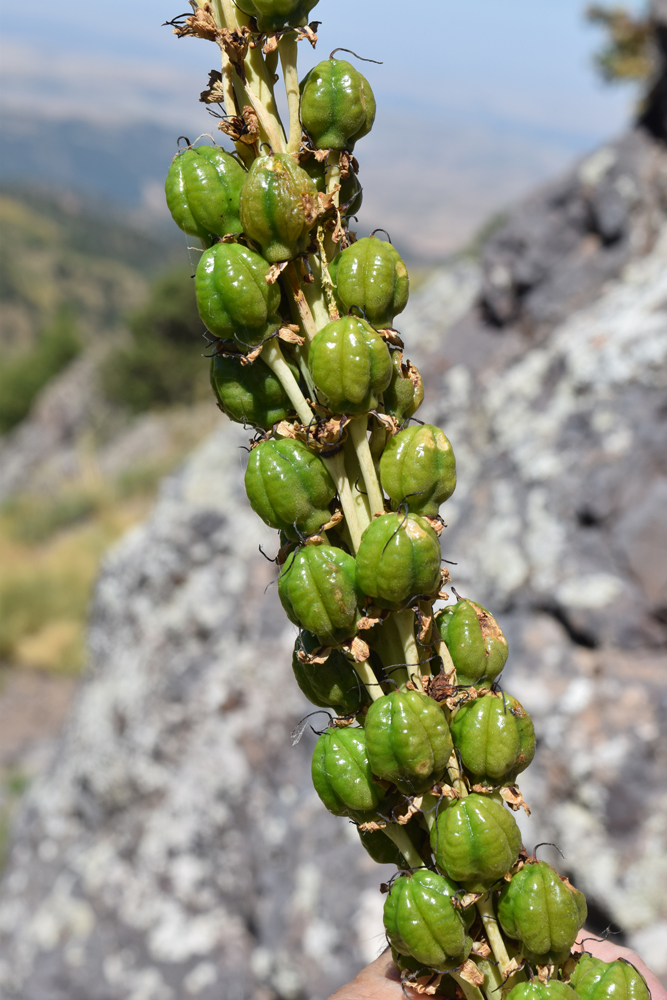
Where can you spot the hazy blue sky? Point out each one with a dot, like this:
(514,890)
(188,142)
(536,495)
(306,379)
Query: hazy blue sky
(501,93)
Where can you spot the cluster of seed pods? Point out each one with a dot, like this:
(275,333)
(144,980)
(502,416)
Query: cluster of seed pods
(423,749)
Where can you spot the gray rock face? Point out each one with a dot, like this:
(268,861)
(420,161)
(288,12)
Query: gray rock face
(176,848)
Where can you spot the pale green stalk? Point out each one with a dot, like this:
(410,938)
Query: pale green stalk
(401,838)
(471,992)
(368,679)
(273,356)
(494,934)
(358,432)
(405,623)
(288,53)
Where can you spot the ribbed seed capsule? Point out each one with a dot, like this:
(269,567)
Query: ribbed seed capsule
(342,774)
(405,393)
(203,187)
(542,911)
(249,394)
(337,105)
(332,684)
(289,487)
(278,206)
(495,738)
(371,275)
(421,922)
(233,298)
(418,468)
(275,14)
(584,965)
(317,589)
(408,740)
(350,365)
(398,560)
(476,841)
(617,980)
(475,641)
(535,990)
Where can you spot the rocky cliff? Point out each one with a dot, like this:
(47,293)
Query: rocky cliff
(175,848)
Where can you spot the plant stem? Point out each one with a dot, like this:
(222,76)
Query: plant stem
(441,648)
(471,992)
(354,475)
(405,622)
(295,291)
(287,47)
(400,837)
(336,467)
(334,174)
(368,679)
(326,283)
(273,356)
(429,804)
(358,433)
(494,934)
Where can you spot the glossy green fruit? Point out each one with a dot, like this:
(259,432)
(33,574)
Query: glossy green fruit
(278,206)
(275,14)
(617,980)
(408,740)
(249,394)
(233,298)
(350,365)
(332,684)
(421,922)
(495,738)
(317,590)
(418,468)
(203,188)
(371,275)
(398,560)
(583,967)
(289,487)
(475,841)
(473,637)
(553,990)
(405,393)
(342,774)
(337,105)
(543,912)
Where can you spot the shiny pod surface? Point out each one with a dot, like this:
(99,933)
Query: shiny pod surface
(418,468)
(495,738)
(421,922)
(398,559)
(583,966)
(332,684)
(203,186)
(278,206)
(475,641)
(289,487)
(405,393)
(350,365)
(233,298)
(408,740)
(612,981)
(381,849)
(249,394)
(342,774)
(317,589)
(275,14)
(553,990)
(543,912)
(371,275)
(337,105)
(475,841)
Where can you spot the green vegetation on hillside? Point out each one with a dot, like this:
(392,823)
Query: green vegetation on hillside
(629,51)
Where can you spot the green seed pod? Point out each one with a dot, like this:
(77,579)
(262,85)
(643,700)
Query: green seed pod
(351,191)
(476,644)
(543,911)
(370,274)
(617,980)
(418,468)
(421,922)
(553,990)
(583,967)
(398,560)
(475,841)
(233,298)
(350,365)
(342,774)
(289,487)
(408,740)
(332,684)
(337,105)
(405,393)
(495,738)
(278,206)
(203,188)
(249,394)
(317,590)
(272,15)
